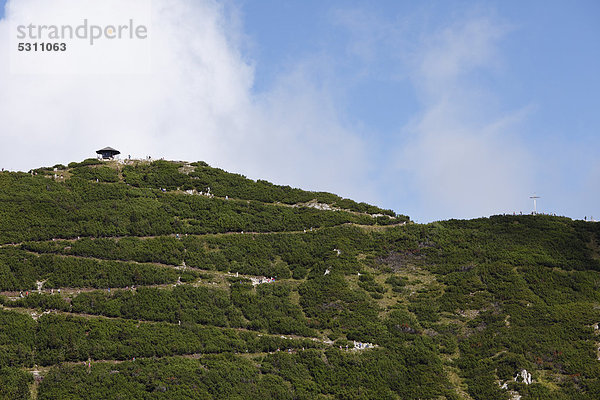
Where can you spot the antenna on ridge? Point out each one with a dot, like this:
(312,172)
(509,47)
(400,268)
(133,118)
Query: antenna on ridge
(534,197)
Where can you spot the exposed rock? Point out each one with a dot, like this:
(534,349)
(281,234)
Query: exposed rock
(317,205)
(381,215)
(40,285)
(524,377)
(260,280)
(363,346)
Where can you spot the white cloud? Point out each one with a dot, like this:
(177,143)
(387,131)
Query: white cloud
(466,158)
(457,51)
(197,103)
(300,132)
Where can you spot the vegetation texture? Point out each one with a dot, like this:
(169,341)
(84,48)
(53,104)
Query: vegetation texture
(169,280)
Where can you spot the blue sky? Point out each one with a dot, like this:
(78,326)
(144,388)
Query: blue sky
(548,61)
(451,109)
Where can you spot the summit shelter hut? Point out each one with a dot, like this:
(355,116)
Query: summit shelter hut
(108,153)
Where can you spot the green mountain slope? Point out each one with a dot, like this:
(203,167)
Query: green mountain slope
(135,281)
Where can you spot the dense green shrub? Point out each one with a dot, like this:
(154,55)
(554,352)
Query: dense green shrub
(41,301)
(20,270)
(38,208)
(164,174)
(96,173)
(199,305)
(66,338)
(490,296)
(17,339)
(14,384)
(270,309)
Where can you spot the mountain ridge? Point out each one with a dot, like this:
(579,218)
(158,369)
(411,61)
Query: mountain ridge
(170,293)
